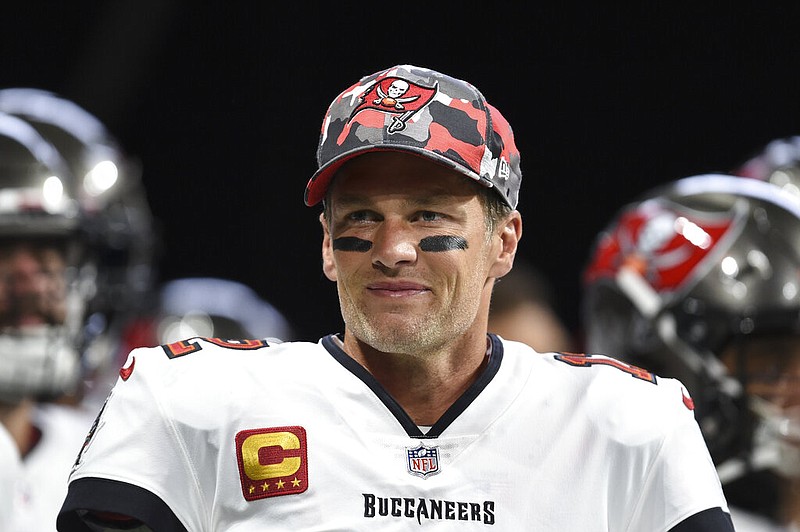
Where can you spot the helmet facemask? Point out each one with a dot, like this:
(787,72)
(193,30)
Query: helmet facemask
(45,287)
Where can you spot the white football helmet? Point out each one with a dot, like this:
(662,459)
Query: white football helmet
(120,224)
(47,271)
(210,307)
(106,225)
(108,186)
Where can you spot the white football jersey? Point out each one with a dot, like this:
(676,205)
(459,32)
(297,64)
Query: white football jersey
(10,467)
(297,436)
(40,484)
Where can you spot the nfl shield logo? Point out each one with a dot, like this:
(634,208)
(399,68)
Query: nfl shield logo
(423,461)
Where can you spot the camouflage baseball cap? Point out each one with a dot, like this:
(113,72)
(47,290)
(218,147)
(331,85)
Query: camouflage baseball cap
(417,110)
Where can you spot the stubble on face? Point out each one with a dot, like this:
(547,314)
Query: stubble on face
(415,333)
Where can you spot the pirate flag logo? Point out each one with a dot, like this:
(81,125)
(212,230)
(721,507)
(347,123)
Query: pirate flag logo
(662,245)
(398,97)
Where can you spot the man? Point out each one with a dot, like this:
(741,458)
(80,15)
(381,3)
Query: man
(778,162)
(114,219)
(414,416)
(38,361)
(60,245)
(698,280)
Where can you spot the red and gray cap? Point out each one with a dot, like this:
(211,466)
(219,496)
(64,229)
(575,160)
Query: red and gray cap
(421,111)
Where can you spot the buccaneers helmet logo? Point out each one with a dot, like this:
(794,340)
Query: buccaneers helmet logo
(662,244)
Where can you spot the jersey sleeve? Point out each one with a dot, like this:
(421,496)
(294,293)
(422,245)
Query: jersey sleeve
(682,481)
(134,461)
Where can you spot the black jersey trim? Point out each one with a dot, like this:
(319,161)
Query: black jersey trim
(366,377)
(330,344)
(471,393)
(106,495)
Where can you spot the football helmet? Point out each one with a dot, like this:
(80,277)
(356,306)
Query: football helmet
(108,187)
(47,273)
(210,307)
(689,272)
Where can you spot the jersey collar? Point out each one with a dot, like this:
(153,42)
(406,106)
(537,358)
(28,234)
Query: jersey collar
(332,343)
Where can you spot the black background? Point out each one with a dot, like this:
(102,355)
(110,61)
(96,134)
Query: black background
(222,103)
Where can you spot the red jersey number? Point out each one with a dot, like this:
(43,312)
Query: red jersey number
(184,347)
(589,360)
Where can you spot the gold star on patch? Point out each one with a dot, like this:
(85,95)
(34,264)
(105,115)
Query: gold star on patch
(252,489)
(295,482)
(280,484)
(264,486)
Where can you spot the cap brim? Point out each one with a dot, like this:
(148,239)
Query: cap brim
(318,184)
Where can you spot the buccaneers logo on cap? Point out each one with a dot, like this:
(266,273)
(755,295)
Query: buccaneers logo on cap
(397,96)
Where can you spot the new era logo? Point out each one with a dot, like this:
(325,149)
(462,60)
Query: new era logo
(503,169)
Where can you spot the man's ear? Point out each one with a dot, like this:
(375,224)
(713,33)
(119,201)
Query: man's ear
(328,267)
(510,233)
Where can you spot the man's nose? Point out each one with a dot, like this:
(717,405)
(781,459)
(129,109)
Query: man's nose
(394,245)
(25,280)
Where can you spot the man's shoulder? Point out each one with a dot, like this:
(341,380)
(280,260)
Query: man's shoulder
(195,383)
(199,359)
(580,368)
(205,350)
(608,391)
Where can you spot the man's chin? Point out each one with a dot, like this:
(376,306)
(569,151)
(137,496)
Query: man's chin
(395,336)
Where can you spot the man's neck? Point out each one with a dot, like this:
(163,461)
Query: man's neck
(17,419)
(425,385)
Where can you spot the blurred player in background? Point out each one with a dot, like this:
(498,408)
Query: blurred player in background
(76,241)
(523,309)
(778,162)
(110,191)
(700,280)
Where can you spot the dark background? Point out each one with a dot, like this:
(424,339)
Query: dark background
(222,103)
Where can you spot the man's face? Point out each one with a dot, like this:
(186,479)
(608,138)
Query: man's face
(771,366)
(32,285)
(409,248)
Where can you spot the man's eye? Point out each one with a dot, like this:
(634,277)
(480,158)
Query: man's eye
(358,216)
(429,216)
